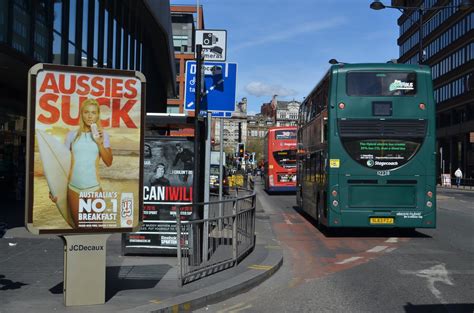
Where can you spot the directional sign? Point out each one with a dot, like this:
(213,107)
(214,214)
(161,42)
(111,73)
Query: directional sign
(213,44)
(219,87)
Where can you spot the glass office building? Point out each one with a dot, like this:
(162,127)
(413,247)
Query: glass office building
(448,47)
(118,34)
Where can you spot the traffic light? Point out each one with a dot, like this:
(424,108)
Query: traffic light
(241,150)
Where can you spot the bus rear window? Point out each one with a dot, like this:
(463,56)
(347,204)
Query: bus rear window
(285,158)
(285,134)
(381,84)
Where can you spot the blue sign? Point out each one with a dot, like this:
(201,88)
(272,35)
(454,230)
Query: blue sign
(219,88)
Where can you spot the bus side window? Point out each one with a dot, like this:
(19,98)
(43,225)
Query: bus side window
(324,135)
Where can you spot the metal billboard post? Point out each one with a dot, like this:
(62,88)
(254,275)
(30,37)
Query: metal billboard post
(221,170)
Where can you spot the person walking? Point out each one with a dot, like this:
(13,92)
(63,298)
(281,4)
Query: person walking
(458,175)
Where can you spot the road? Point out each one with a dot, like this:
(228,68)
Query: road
(366,270)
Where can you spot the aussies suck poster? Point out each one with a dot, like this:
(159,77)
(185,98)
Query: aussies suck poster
(84,141)
(168,177)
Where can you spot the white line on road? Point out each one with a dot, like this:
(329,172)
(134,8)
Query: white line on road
(392,240)
(390,250)
(235,308)
(354,258)
(377,249)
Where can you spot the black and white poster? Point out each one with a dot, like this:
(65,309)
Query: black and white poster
(168,176)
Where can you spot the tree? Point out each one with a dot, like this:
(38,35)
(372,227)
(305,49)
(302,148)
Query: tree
(255,145)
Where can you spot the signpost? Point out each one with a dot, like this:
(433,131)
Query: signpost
(219,88)
(214,44)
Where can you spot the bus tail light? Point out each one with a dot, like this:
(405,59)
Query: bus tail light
(342,106)
(429,194)
(334,193)
(429,204)
(422,106)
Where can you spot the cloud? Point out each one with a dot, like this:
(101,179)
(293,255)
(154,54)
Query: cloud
(282,35)
(261,89)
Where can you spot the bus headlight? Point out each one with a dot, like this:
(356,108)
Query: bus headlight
(429,204)
(429,194)
(422,106)
(342,106)
(334,193)
(335,203)
(270,180)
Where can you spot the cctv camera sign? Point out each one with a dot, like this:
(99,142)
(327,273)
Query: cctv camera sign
(213,44)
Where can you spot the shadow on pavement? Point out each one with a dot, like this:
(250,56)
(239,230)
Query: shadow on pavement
(362,232)
(7,284)
(441,308)
(119,278)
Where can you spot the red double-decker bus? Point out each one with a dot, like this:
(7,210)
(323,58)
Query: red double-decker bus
(280,159)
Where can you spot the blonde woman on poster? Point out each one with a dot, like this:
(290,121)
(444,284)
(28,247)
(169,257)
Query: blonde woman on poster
(88,145)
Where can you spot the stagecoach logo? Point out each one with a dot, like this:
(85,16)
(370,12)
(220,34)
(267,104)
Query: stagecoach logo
(398,85)
(370,163)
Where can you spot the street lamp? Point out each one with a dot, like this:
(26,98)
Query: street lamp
(378,5)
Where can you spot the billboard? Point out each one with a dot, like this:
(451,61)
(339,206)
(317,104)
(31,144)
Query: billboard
(85,133)
(168,178)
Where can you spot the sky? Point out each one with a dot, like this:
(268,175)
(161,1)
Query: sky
(283,47)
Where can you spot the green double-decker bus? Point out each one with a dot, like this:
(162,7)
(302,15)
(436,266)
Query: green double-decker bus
(366,147)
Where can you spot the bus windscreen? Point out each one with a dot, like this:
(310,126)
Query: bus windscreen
(285,158)
(374,84)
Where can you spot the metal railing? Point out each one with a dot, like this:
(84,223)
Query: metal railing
(451,182)
(220,240)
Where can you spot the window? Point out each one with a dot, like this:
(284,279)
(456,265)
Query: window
(57,32)
(380,83)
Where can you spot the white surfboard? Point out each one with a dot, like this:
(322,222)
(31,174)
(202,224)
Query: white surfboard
(56,160)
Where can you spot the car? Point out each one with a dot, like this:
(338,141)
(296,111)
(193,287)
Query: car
(214,180)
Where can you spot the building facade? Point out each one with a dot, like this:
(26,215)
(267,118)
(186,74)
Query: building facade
(257,126)
(235,128)
(185,21)
(286,113)
(121,34)
(283,113)
(448,47)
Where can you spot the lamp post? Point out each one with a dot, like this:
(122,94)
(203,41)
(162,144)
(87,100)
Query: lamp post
(378,5)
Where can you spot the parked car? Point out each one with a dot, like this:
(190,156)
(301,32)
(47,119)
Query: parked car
(214,180)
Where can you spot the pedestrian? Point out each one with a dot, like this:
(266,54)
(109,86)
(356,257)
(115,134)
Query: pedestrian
(458,175)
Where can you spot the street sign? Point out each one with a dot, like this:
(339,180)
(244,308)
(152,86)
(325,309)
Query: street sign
(213,43)
(218,91)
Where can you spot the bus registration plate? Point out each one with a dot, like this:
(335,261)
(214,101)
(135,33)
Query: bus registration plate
(382,220)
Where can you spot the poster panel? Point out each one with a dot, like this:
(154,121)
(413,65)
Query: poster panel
(84,140)
(168,177)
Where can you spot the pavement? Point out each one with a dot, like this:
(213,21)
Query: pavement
(31,275)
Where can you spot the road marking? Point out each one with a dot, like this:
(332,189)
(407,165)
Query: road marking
(235,308)
(467,272)
(434,274)
(354,258)
(155,301)
(390,250)
(260,267)
(392,240)
(377,249)
(288,222)
(273,247)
